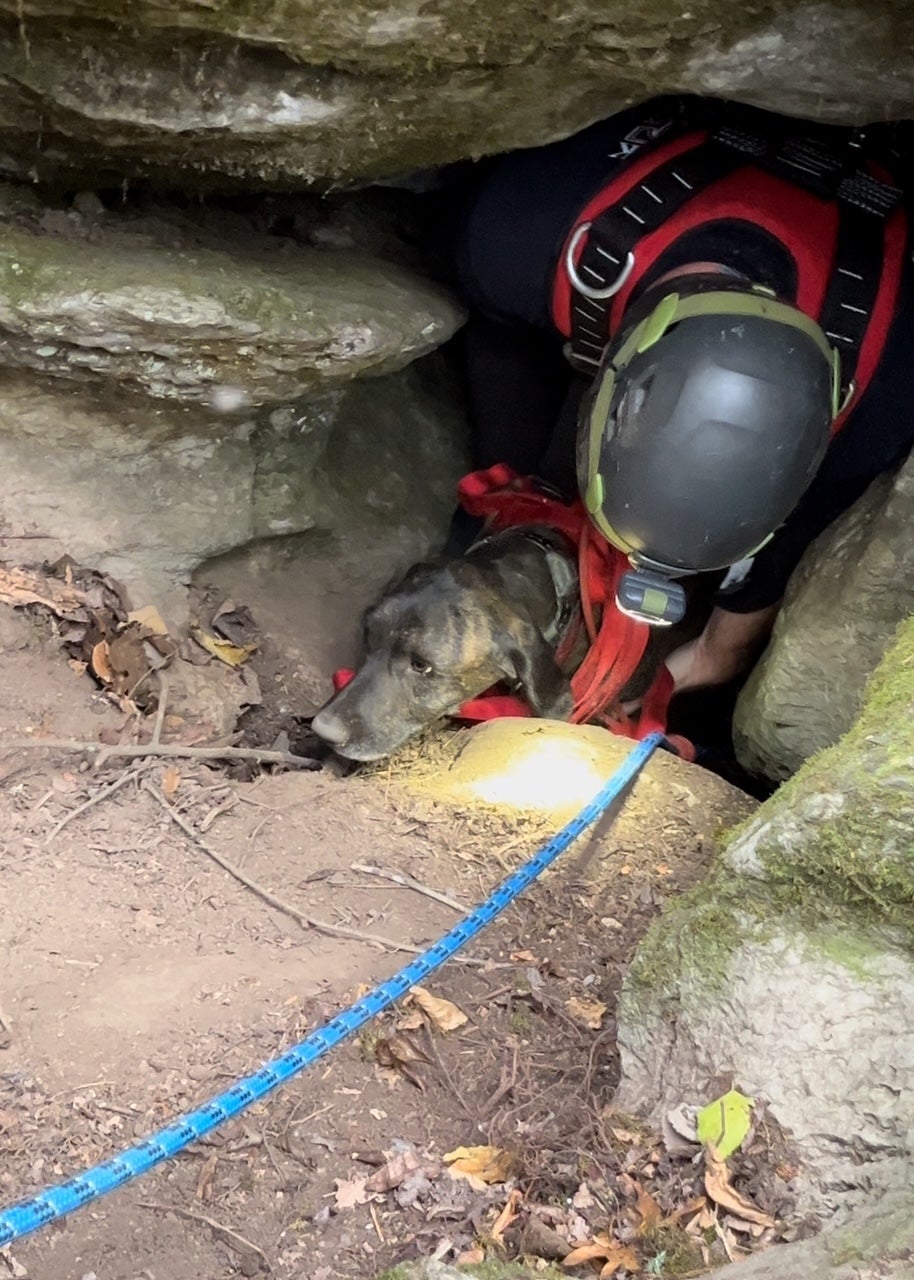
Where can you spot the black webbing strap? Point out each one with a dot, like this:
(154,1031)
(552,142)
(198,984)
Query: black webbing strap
(831,172)
(613,235)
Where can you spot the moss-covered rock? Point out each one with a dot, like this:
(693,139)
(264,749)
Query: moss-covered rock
(852,588)
(180,316)
(791,967)
(291,93)
(839,833)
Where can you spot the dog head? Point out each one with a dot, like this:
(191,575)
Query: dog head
(443,634)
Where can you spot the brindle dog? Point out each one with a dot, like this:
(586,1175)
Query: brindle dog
(449,630)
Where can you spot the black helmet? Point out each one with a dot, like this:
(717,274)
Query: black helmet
(707,420)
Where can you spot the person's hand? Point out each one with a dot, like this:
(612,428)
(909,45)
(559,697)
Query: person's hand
(728,646)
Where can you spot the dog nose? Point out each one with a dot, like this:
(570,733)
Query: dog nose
(330,727)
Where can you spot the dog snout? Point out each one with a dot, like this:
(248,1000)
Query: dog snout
(330,727)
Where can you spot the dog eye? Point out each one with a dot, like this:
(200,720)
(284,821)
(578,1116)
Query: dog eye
(419,665)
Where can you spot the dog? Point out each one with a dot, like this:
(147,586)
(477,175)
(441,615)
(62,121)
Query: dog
(447,631)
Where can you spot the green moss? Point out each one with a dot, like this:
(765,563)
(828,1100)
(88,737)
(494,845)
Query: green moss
(854,857)
(692,942)
(845,1251)
(674,1253)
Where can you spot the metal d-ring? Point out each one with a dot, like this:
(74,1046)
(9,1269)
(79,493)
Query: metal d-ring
(598,295)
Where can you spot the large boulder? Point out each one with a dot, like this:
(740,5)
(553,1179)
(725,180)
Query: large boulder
(147,491)
(292,94)
(791,967)
(850,591)
(182,314)
(172,389)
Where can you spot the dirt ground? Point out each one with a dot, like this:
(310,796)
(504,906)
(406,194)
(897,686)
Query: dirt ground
(139,977)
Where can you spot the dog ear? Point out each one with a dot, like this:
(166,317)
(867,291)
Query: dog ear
(525,656)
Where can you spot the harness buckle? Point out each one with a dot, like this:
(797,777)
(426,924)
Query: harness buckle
(607,291)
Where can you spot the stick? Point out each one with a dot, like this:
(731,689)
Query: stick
(96,799)
(225,1234)
(407,882)
(158,749)
(306,921)
(160,709)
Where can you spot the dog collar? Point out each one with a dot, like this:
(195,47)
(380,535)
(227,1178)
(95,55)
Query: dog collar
(562,568)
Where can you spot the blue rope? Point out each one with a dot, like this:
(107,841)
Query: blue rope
(20,1219)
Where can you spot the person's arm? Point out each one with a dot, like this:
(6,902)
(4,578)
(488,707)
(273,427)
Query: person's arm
(729,644)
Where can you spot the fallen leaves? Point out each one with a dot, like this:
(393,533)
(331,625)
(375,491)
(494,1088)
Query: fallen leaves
(442,1014)
(233,655)
(725,1123)
(614,1256)
(349,1192)
(481,1165)
(719,1188)
(588,1013)
(400,1053)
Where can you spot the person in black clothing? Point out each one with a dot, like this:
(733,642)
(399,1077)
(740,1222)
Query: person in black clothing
(712,308)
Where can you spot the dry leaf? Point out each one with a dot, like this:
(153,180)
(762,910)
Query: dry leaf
(649,1209)
(523,957)
(24,586)
(589,1013)
(441,1013)
(506,1217)
(411,1022)
(150,618)
(621,1259)
(100,664)
(717,1185)
(206,1177)
(485,1164)
(396,1170)
(398,1053)
(232,655)
(171,780)
(615,1256)
(582,1199)
(470,1257)
(349,1192)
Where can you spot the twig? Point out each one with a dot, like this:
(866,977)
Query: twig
(160,709)
(377,1226)
(306,921)
(232,1238)
(104,754)
(504,1088)
(445,1073)
(93,800)
(407,882)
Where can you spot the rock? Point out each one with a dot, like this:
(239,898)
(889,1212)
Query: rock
(873,1244)
(147,491)
(253,322)
(791,967)
(292,94)
(549,769)
(850,591)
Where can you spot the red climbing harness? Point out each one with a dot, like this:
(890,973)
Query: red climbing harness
(836,214)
